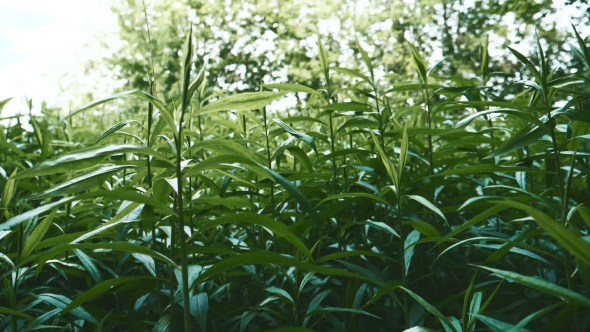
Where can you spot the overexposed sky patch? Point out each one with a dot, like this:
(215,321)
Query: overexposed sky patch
(43,42)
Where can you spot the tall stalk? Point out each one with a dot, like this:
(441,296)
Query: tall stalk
(150,120)
(179,182)
(326,71)
(268,159)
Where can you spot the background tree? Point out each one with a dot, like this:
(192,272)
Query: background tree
(246,43)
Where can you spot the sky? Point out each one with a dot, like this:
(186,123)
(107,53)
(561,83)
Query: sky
(42,47)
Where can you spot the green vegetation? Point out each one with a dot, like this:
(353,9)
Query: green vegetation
(435,199)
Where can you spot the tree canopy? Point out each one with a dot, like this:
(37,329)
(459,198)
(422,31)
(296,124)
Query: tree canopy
(248,42)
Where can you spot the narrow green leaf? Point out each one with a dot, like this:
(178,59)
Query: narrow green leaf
(351,106)
(583,53)
(355,196)
(226,146)
(475,305)
(542,67)
(302,136)
(8,311)
(114,129)
(324,63)
(584,213)
(486,168)
(497,325)
(409,248)
(250,115)
(403,87)
(541,285)
(315,302)
(387,288)
(424,228)
(382,226)
(446,323)
(199,309)
(343,254)
(92,179)
(37,235)
(527,116)
(571,242)
(299,154)
(265,258)
(527,63)
(89,265)
(277,228)
(358,122)
(294,87)
(164,111)
(187,59)
(147,261)
(366,60)
(538,314)
(346,310)
(196,83)
(225,161)
(32,213)
(351,72)
(391,170)
(7,260)
(419,63)
(9,191)
(426,203)
(128,212)
(294,192)
(419,329)
(241,101)
(4,102)
(62,302)
(281,293)
(484,67)
(163,324)
(101,289)
(119,246)
(403,154)
(86,158)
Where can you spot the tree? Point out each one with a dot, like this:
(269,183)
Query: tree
(246,43)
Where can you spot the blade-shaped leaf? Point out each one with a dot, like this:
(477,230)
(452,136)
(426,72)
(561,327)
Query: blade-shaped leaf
(241,101)
(89,265)
(33,213)
(527,63)
(426,203)
(164,110)
(199,308)
(570,241)
(542,285)
(114,129)
(446,323)
(86,158)
(101,289)
(412,238)
(302,136)
(391,170)
(277,228)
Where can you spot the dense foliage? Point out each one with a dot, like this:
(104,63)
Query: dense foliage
(426,200)
(245,43)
